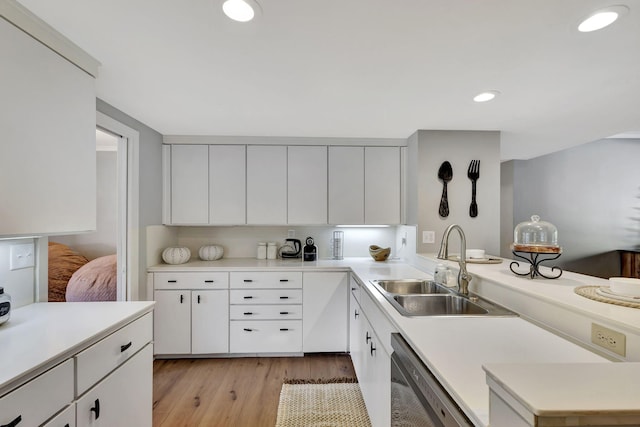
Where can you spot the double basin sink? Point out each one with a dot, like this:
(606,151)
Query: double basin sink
(418,297)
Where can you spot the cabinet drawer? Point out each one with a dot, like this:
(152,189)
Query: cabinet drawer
(39,399)
(106,355)
(66,418)
(204,280)
(266,336)
(266,296)
(276,279)
(270,312)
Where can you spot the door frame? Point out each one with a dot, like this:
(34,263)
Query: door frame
(128,195)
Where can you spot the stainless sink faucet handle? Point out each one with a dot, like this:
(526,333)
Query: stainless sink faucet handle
(463,276)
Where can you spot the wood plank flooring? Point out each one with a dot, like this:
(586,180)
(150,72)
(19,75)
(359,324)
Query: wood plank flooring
(234,392)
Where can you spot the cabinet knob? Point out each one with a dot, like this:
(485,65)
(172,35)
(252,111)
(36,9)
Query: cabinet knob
(248,297)
(181,299)
(367,338)
(125,347)
(247,280)
(96,408)
(248,313)
(284,280)
(172,281)
(198,299)
(208,281)
(373,349)
(285,297)
(284,329)
(284,312)
(13,423)
(248,330)
(355,314)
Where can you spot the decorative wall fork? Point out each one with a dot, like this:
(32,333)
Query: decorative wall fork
(473,173)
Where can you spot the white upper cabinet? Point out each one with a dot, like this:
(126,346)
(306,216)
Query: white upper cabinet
(307,185)
(266,184)
(227,184)
(382,185)
(346,185)
(48,148)
(189,184)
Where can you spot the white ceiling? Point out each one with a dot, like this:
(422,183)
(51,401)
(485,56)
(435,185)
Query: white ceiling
(364,68)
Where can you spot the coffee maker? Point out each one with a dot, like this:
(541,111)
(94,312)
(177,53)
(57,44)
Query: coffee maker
(310,251)
(292,248)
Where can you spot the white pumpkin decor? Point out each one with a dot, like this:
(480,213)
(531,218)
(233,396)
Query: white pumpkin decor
(210,252)
(176,255)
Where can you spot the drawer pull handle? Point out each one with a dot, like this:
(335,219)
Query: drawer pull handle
(284,297)
(284,280)
(284,329)
(125,347)
(172,281)
(367,338)
(96,408)
(248,313)
(198,299)
(373,349)
(248,297)
(181,299)
(284,312)
(13,423)
(248,330)
(353,289)
(355,314)
(208,281)
(247,280)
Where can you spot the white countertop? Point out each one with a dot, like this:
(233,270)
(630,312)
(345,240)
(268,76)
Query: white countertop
(252,264)
(38,336)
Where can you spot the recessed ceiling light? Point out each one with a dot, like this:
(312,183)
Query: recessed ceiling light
(486,96)
(602,18)
(240,10)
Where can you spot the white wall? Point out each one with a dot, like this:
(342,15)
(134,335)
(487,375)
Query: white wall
(591,193)
(427,150)
(19,284)
(103,241)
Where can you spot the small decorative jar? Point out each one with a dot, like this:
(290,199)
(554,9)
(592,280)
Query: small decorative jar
(5,306)
(210,252)
(262,251)
(272,250)
(176,255)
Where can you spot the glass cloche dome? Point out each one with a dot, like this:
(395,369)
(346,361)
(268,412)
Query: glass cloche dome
(536,236)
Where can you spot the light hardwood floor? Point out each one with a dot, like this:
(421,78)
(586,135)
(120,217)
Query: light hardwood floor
(234,392)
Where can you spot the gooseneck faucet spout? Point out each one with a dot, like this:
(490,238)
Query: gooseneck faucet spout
(463,276)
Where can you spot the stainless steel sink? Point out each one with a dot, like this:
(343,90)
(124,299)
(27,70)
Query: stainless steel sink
(411,286)
(418,297)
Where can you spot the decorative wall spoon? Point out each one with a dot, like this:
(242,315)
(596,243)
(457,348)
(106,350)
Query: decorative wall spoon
(445,174)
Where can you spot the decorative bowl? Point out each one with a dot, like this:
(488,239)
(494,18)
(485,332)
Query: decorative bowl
(210,252)
(625,286)
(378,253)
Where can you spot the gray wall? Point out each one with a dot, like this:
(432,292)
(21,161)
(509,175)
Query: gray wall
(426,151)
(591,193)
(150,180)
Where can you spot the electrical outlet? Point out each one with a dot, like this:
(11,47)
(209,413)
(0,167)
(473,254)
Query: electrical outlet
(607,338)
(428,237)
(291,234)
(21,256)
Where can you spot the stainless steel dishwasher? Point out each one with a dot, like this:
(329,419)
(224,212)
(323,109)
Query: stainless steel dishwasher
(417,398)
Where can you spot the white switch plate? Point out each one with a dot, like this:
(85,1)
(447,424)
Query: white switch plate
(21,256)
(428,237)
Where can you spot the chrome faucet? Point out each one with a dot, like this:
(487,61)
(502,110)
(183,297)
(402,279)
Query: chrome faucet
(463,276)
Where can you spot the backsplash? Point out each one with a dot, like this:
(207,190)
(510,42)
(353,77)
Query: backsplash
(242,241)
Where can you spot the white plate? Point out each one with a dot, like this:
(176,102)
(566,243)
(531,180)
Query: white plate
(477,260)
(605,291)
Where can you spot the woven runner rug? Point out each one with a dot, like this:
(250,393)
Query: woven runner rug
(322,403)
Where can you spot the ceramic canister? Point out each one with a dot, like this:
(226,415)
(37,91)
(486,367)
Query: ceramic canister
(5,306)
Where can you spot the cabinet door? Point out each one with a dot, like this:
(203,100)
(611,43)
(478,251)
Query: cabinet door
(325,311)
(382,185)
(124,398)
(227,184)
(381,371)
(355,333)
(172,322)
(209,322)
(66,418)
(346,185)
(307,185)
(189,184)
(266,185)
(48,122)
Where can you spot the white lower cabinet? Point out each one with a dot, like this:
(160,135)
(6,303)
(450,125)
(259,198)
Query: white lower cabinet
(266,336)
(325,302)
(371,360)
(191,313)
(66,418)
(117,400)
